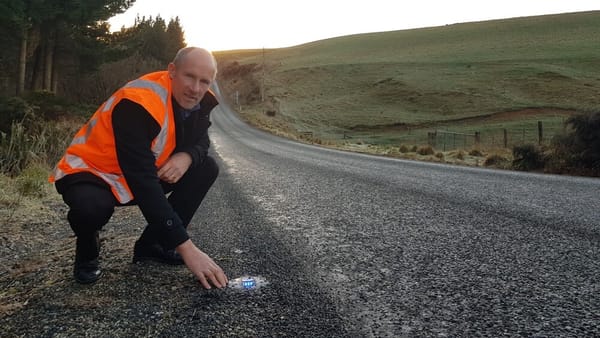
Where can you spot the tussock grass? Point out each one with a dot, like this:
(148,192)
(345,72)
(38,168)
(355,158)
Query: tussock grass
(497,160)
(22,195)
(34,142)
(27,153)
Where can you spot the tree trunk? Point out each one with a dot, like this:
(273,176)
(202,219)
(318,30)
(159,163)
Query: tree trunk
(37,68)
(55,75)
(48,63)
(22,64)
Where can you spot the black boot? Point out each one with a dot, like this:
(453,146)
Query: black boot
(155,252)
(86,269)
(147,248)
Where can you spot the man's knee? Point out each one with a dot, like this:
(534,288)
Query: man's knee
(210,168)
(204,174)
(90,207)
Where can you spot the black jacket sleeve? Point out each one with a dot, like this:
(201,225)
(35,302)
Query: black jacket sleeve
(192,136)
(134,129)
(196,141)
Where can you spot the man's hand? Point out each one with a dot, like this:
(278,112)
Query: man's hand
(202,266)
(175,167)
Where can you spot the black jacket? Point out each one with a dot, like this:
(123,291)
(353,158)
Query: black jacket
(134,130)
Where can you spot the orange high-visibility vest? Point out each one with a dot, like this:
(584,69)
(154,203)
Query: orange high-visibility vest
(93,147)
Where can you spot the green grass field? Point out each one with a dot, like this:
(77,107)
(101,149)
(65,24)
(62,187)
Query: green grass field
(394,87)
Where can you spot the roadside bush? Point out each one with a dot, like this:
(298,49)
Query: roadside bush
(46,104)
(32,181)
(34,140)
(425,150)
(12,109)
(403,149)
(527,157)
(97,86)
(578,148)
(475,152)
(496,160)
(15,149)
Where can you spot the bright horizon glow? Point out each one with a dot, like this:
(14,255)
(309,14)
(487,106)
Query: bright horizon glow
(237,24)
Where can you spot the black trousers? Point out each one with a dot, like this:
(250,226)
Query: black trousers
(91,205)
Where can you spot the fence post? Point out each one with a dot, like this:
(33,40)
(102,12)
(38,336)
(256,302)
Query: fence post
(477,137)
(431,138)
(505,138)
(540,132)
(444,147)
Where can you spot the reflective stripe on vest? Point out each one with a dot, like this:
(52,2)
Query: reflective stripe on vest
(112,179)
(161,138)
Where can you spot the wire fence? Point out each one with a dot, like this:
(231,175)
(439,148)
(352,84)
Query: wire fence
(533,133)
(483,136)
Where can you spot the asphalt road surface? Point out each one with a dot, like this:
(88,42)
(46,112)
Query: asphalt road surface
(347,245)
(358,245)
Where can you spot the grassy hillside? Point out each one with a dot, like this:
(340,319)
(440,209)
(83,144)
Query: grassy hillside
(393,87)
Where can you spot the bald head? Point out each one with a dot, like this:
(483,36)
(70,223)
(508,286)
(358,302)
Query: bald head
(194,52)
(192,71)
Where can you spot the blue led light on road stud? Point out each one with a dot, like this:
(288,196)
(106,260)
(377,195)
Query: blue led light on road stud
(248,283)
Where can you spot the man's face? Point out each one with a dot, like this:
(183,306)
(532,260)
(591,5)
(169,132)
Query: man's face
(191,78)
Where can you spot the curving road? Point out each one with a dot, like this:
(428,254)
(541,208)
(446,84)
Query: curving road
(358,245)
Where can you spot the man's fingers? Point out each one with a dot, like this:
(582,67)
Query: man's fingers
(203,281)
(219,277)
(162,170)
(216,279)
(222,279)
(207,277)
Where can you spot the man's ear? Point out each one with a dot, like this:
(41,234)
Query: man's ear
(171,70)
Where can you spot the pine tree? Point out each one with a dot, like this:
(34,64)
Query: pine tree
(175,37)
(50,30)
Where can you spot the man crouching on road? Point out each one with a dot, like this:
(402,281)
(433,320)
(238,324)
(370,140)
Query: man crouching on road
(148,139)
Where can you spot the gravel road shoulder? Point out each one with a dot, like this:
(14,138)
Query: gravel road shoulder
(39,297)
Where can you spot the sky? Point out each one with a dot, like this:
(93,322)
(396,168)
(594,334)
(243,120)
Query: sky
(244,24)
